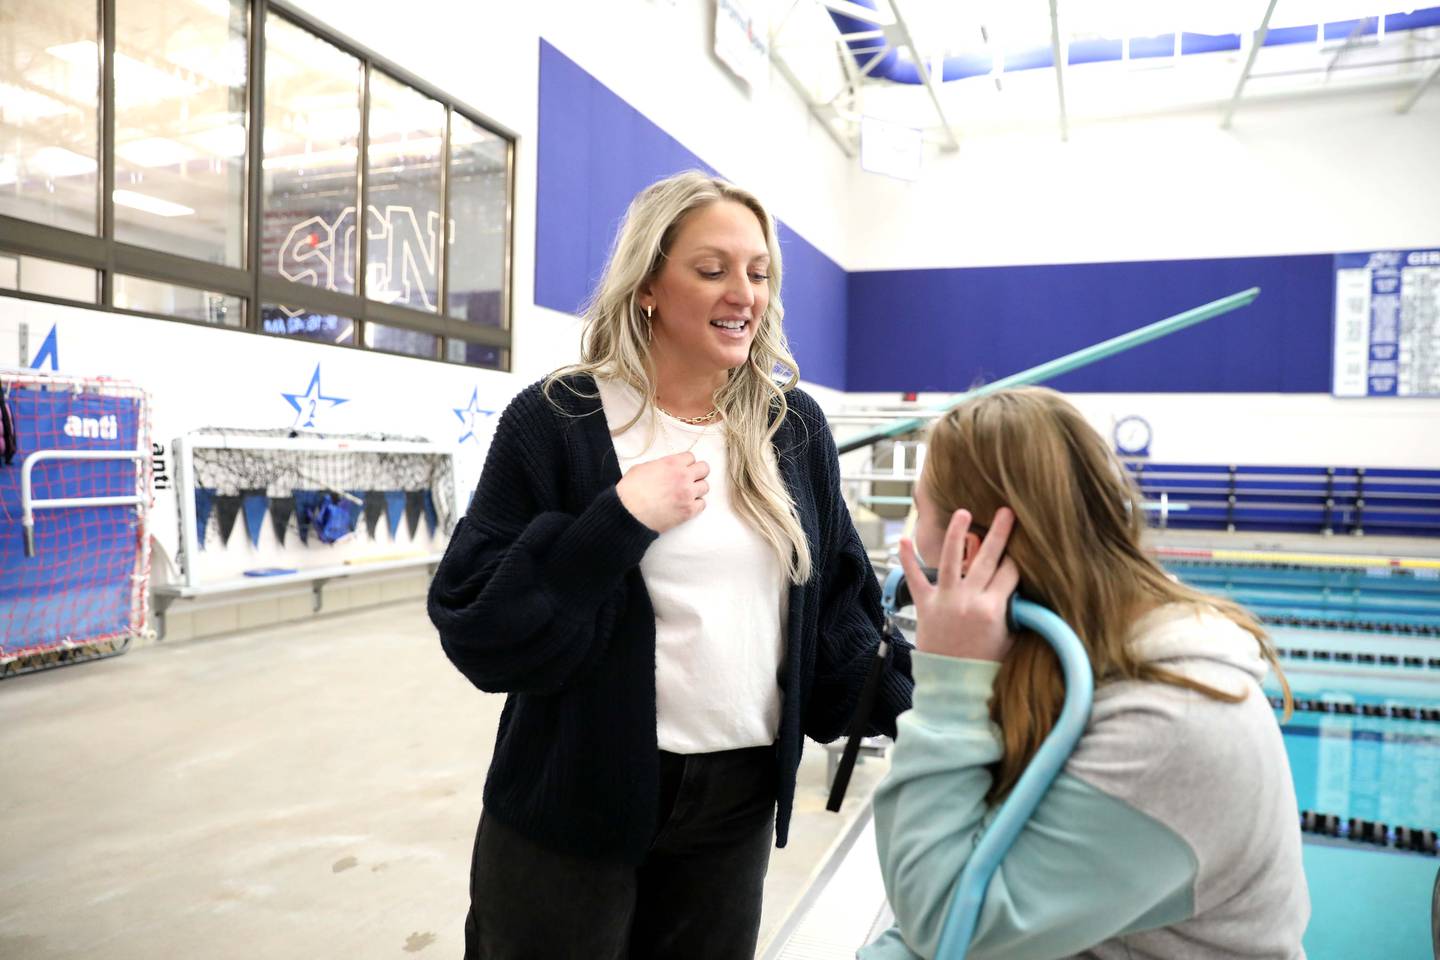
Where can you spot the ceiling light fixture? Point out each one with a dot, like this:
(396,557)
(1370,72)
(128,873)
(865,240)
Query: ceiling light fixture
(148,204)
(59,162)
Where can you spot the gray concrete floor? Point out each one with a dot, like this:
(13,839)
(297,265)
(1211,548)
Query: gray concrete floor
(303,791)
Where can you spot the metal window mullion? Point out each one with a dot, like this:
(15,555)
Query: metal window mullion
(107,149)
(306,296)
(473,333)
(406,317)
(169,268)
(442,255)
(508,278)
(362,213)
(255,207)
(43,240)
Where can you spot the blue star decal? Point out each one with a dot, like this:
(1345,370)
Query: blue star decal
(468,414)
(307,404)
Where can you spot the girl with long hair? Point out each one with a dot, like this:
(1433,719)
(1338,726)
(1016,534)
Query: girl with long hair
(659,569)
(1172,830)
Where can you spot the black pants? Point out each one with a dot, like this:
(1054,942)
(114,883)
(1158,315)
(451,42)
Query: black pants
(696,896)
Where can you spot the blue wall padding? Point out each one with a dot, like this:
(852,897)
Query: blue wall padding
(1208,43)
(1035,58)
(948,330)
(1344,29)
(816,293)
(595,153)
(1428,17)
(1279,36)
(1096,51)
(1162,45)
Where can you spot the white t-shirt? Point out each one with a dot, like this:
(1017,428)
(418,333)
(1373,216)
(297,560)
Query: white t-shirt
(719,593)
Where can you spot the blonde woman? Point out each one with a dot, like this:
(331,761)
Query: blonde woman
(658,568)
(1172,831)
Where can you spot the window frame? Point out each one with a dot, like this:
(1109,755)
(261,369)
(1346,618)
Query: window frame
(251,284)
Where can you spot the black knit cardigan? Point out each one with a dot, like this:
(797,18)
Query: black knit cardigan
(540,596)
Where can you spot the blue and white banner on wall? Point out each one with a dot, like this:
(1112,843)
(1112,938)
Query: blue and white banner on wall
(1387,324)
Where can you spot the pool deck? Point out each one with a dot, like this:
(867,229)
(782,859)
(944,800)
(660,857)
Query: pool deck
(302,791)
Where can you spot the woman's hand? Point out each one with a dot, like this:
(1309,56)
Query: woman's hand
(964,613)
(665,493)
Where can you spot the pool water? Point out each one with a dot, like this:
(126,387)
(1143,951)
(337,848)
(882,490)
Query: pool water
(1355,644)
(1365,900)
(1373,768)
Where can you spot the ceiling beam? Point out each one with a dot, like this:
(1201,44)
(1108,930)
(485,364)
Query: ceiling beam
(1414,95)
(952,142)
(858,12)
(1059,55)
(822,112)
(1352,41)
(1255,45)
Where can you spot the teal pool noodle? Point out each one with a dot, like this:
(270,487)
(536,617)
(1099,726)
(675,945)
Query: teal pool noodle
(1071,361)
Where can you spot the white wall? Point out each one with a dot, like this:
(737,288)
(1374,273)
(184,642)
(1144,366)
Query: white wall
(1305,176)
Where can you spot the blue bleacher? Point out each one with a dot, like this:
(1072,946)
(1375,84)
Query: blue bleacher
(1302,499)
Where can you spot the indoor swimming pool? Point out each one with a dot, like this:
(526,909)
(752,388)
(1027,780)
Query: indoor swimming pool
(1368,788)
(1359,639)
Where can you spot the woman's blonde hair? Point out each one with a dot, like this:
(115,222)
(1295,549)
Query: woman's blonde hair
(616,345)
(1077,543)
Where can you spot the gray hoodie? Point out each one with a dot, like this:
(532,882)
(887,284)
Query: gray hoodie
(1172,831)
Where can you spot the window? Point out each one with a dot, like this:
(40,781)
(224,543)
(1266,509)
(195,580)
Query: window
(48,278)
(49,112)
(479,223)
(307,324)
(169,299)
(180,113)
(413,343)
(477,354)
(234,164)
(402,230)
(311,178)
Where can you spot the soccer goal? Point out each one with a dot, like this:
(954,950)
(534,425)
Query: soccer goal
(263,507)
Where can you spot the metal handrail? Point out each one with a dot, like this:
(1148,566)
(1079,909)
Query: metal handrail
(28,506)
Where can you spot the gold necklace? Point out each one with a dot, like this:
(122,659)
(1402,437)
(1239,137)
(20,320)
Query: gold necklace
(693,421)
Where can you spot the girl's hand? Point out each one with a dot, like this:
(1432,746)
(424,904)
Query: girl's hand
(963,614)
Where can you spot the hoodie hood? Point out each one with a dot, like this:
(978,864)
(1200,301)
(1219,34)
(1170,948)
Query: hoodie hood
(1180,632)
